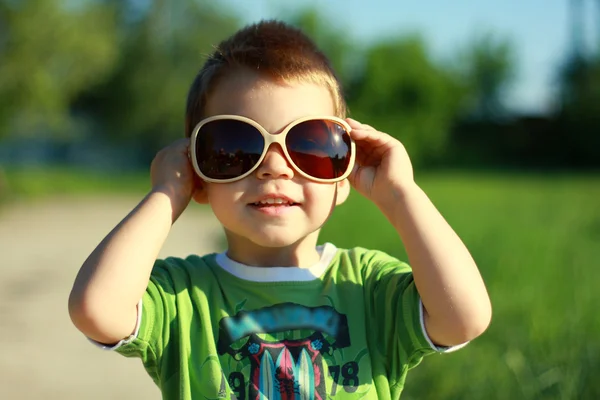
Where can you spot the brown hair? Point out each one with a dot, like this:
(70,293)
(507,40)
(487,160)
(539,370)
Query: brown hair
(275,49)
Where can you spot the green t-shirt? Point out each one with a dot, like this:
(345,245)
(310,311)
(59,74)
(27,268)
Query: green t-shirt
(210,328)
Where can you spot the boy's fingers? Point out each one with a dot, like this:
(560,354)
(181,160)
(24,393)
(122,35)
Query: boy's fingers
(364,132)
(354,124)
(368,127)
(183,143)
(370,136)
(178,146)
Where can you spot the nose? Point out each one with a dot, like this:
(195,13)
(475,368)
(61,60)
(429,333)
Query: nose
(274,165)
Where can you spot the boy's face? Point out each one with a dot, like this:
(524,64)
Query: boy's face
(273,106)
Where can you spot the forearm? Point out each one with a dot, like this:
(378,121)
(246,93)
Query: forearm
(451,288)
(114,277)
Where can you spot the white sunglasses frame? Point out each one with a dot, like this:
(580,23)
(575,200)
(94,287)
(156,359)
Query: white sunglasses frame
(270,138)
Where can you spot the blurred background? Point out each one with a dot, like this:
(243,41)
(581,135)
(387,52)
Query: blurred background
(497,102)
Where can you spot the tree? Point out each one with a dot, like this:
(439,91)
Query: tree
(163,47)
(401,91)
(579,115)
(486,68)
(50,53)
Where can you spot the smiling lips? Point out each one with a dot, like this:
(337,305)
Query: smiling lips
(274,202)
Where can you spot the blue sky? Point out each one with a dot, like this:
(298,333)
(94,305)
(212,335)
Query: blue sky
(539,30)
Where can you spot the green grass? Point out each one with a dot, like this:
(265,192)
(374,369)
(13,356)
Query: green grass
(536,240)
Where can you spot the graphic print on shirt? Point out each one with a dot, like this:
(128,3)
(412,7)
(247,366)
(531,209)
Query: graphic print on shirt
(284,347)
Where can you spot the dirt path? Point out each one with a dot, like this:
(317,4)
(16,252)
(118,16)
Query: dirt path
(42,245)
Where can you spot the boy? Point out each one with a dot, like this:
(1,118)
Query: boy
(276,316)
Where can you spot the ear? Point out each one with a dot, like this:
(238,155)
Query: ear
(343,191)
(200,195)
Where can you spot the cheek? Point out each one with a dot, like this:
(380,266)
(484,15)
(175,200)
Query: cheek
(220,196)
(225,196)
(222,205)
(214,194)
(321,197)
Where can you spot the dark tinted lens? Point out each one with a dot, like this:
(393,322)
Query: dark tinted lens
(228,148)
(319,148)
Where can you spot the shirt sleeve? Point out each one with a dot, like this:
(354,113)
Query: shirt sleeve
(126,340)
(439,349)
(396,313)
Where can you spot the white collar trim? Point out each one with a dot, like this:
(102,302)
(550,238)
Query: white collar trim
(279,274)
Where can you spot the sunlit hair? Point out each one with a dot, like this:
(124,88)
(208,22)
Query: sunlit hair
(273,48)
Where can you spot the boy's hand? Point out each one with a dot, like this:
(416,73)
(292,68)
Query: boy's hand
(172,173)
(383,167)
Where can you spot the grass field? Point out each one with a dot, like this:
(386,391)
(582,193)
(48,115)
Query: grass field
(536,240)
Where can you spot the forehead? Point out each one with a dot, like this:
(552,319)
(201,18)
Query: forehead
(270,103)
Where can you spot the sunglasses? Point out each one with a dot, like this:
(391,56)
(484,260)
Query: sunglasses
(227,148)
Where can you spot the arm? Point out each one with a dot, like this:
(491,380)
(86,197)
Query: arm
(112,280)
(456,303)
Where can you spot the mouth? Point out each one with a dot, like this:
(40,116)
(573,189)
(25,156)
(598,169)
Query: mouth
(274,202)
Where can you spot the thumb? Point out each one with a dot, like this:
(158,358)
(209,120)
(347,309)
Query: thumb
(361,178)
(353,177)
(358,177)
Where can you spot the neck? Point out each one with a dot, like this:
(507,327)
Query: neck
(302,253)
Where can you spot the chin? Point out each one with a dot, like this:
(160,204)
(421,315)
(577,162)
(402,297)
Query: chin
(280,236)
(274,240)
(272,237)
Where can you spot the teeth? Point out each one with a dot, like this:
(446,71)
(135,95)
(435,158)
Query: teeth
(272,201)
